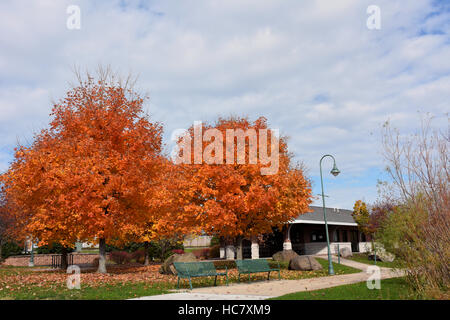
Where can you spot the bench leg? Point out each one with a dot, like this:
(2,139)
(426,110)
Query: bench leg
(178,283)
(249,277)
(279,276)
(268,275)
(226,278)
(239,278)
(215,281)
(190,283)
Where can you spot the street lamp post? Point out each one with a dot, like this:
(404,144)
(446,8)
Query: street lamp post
(335,171)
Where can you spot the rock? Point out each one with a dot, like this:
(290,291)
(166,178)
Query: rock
(285,255)
(345,252)
(304,263)
(168,268)
(95,262)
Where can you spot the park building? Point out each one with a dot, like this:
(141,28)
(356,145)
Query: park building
(305,235)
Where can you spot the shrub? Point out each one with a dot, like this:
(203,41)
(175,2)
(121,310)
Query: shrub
(214,252)
(214,241)
(53,248)
(138,256)
(178,251)
(10,249)
(120,257)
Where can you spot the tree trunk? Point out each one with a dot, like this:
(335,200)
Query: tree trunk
(239,248)
(147,256)
(64,263)
(1,245)
(102,256)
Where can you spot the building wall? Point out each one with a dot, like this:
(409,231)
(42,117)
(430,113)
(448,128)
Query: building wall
(301,236)
(321,247)
(197,241)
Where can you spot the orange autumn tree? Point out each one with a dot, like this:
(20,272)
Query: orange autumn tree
(165,222)
(86,177)
(230,192)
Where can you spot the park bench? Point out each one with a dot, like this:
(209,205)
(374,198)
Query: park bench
(255,266)
(190,270)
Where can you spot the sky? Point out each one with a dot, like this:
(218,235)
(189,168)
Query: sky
(314,69)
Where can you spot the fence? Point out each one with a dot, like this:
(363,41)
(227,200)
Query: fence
(57,260)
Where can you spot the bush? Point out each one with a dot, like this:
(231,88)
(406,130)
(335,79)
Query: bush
(214,252)
(55,248)
(138,256)
(120,257)
(10,249)
(178,251)
(214,241)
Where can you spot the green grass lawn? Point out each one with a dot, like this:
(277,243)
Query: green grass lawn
(21,288)
(364,258)
(105,292)
(391,289)
(338,268)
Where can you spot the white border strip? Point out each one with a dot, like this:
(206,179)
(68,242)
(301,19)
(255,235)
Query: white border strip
(323,222)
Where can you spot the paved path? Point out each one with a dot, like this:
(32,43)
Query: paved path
(202,296)
(275,288)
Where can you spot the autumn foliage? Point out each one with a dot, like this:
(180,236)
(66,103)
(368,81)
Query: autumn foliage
(89,176)
(236,200)
(98,174)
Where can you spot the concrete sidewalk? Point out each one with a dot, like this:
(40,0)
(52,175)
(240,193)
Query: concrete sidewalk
(275,288)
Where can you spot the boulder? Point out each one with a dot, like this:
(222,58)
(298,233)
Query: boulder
(285,255)
(345,252)
(168,268)
(304,263)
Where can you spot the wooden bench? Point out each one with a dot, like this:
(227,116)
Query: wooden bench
(255,266)
(190,270)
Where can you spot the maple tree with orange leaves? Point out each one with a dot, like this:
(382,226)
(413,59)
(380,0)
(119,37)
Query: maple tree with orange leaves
(89,176)
(235,200)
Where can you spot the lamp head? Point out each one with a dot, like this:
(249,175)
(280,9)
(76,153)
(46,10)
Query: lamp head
(335,171)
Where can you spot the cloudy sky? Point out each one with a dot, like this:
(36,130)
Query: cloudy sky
(313,68)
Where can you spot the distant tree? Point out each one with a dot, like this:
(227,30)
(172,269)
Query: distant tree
(361,216)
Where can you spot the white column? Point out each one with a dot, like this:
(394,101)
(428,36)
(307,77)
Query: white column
(287,245)
(229,252)
(222,252)
(255,250)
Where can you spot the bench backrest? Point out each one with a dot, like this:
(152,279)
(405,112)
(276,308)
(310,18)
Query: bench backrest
(252,265)
(195,268)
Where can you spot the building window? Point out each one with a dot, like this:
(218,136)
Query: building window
(344,236)
(317,236)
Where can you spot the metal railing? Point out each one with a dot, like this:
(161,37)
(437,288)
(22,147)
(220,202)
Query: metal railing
(57,261)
